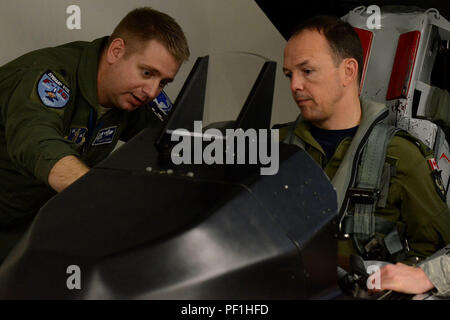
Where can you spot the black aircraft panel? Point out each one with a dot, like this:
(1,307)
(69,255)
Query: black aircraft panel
(140,227)
(142,235)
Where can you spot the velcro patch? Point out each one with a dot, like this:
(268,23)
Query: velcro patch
(439,184)
(163,102)
(52,92)
(161,106)
(77,134)
(437,178)
(105,136)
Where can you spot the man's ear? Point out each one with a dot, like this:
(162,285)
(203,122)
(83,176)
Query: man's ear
(115,50)
(350,70)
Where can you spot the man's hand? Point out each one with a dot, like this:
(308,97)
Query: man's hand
(403,278)
(65,172)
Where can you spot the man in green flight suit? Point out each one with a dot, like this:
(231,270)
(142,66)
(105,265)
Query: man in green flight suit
(63,109)
(432,274)
(407,218)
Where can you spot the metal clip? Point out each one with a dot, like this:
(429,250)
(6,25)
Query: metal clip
(363,196)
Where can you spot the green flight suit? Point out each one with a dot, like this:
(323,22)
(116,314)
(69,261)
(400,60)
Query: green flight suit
(39,126)
(412,203)
(437,269)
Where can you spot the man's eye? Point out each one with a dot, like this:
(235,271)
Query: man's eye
(307,71)
(147,73)
(288,75)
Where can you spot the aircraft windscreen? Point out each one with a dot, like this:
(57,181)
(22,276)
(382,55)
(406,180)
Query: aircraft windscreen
(231,76)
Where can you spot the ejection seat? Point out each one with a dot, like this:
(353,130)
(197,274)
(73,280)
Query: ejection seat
(403,58)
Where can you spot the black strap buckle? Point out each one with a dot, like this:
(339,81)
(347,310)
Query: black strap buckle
(363,196)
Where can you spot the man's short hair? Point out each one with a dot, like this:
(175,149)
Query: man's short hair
(342,38)
(144,24)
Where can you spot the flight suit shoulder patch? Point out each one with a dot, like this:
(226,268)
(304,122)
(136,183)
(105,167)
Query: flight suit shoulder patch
(437,178)
(52,92)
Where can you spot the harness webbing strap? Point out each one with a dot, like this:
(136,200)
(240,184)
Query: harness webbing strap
(369,191)
(369,177)
(384,185)
(373,182)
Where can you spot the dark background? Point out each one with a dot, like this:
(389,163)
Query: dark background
(286,14)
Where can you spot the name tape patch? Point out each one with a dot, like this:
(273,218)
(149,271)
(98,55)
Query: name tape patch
(105,136)
(52,92)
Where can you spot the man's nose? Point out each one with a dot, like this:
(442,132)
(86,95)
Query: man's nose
(151,90)
(297,83)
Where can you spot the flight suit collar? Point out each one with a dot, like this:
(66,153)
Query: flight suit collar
(87,70)
(303,131)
